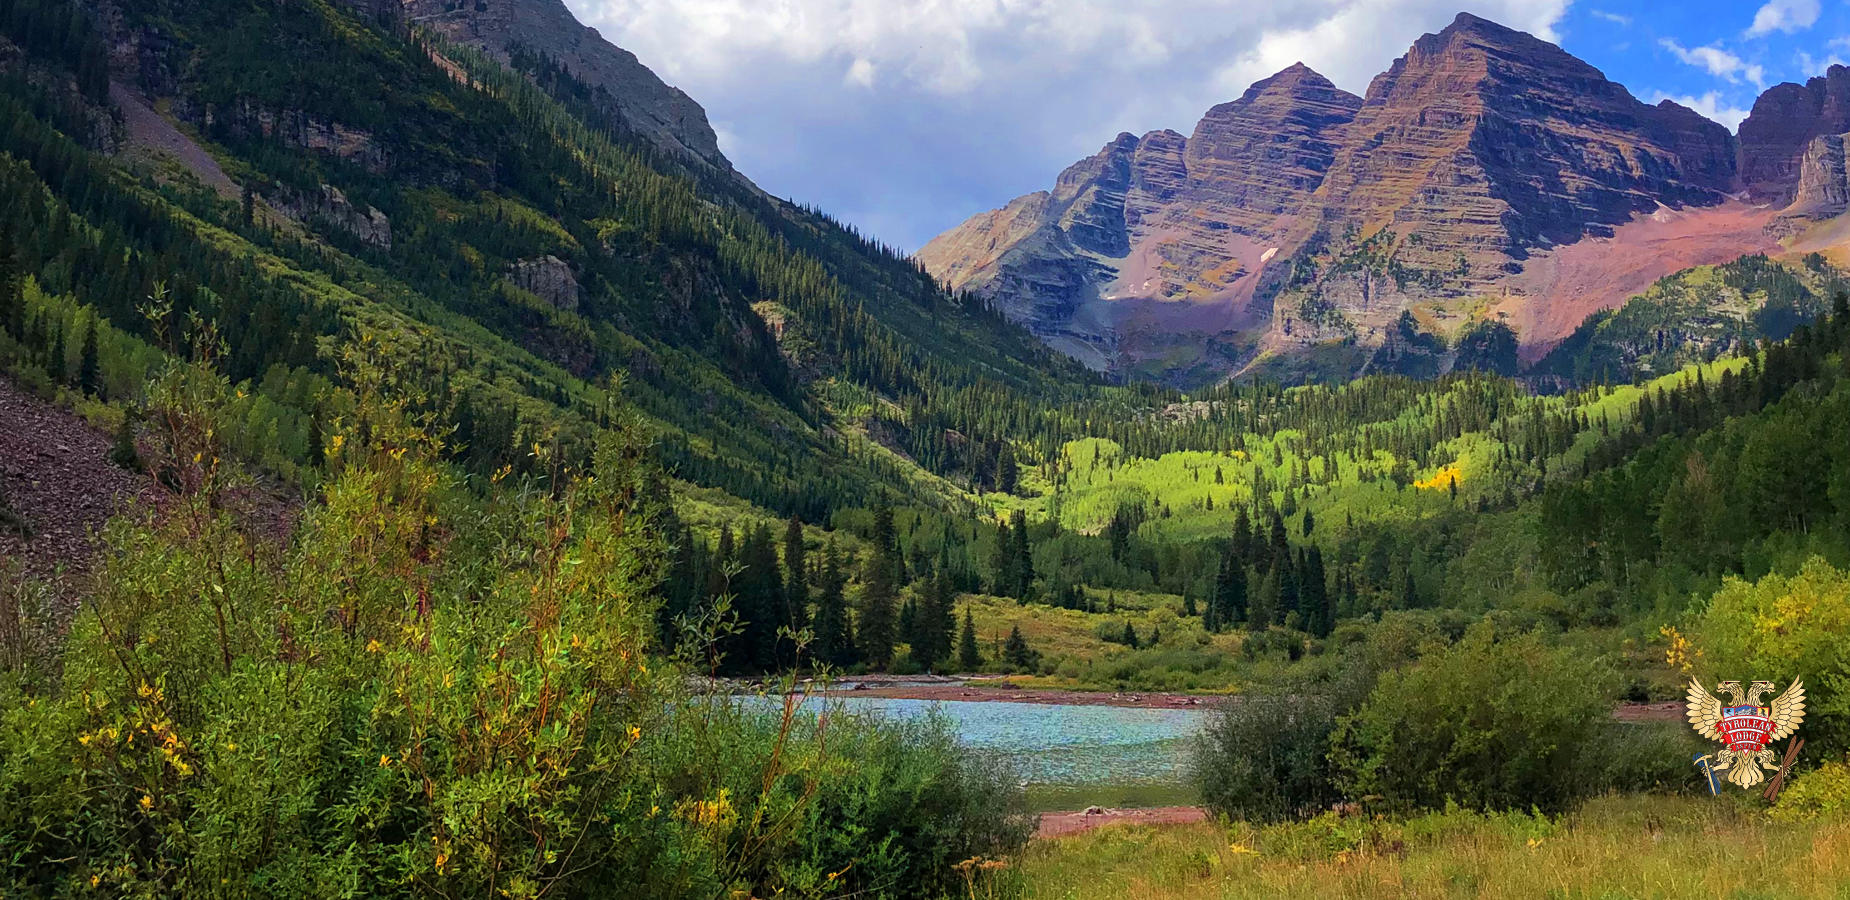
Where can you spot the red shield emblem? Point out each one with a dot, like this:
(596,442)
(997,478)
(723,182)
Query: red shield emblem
(1746,729)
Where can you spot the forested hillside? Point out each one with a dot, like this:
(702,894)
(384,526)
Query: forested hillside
(503,231)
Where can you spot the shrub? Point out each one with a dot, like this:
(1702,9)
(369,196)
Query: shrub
(1264,759)
(1785,627)
(1824,791)
(1488,723)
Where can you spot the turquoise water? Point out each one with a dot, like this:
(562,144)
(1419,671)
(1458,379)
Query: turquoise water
(1070,757)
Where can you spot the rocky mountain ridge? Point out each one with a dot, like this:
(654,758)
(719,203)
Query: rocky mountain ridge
(1301,221)
(663,114)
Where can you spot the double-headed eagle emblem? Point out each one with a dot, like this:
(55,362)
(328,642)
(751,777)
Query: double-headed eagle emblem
(1744,726)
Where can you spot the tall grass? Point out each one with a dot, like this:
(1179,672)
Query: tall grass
(1619,847)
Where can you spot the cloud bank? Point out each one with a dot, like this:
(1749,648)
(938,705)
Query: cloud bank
(906,116)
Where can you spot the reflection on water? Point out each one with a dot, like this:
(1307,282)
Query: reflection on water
(1071,755)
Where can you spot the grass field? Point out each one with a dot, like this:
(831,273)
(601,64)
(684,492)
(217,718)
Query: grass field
(1076,654)
(1622,848)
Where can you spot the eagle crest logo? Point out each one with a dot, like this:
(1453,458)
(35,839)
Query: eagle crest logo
(1744,726)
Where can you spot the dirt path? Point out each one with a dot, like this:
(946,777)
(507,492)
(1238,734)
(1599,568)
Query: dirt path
(1060,824)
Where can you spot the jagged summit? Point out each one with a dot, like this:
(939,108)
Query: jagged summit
(1306,214)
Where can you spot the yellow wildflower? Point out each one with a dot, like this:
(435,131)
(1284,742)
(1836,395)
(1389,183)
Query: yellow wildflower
(147,802)
(384,761)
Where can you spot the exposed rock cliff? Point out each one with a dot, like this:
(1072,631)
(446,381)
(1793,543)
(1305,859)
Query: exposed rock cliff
(650,107)
(1785,121)
(1301,214)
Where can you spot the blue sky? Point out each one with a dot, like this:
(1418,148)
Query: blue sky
(907,116)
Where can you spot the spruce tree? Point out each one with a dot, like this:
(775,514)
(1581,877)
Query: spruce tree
(1024,558)
(12,305)
(123,452)
(834,633)
(1003,578)
(1130,635)
(880,596)
(969,658)
(796,577)
(1017,652)
(89,368)
(1313,594)
(1008,472)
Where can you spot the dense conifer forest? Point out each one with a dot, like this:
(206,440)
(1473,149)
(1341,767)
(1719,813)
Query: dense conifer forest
(727,435)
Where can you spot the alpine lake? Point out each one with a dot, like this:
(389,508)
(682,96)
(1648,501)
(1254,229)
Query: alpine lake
(1068,757)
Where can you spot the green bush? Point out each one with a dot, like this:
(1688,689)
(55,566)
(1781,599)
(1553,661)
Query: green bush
(1780,628)
(1824,791)
(432,694)
(1489,723)
(1264,759)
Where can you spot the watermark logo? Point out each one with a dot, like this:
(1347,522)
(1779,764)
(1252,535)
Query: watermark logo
(1746,729)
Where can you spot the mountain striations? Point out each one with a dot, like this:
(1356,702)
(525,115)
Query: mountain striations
(1162,216)
(1305,221)
(1784,122)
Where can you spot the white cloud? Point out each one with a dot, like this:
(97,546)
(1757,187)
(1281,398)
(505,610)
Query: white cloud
(920,112)
(1710,105)
(1719,63)
(1614,18)
(1789,16)
(1811,65)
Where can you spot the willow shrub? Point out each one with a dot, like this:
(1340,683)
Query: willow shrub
(427,693)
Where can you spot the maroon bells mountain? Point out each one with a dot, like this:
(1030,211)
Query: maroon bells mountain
(1486,174)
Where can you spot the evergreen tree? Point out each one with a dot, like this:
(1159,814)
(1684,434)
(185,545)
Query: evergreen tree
(796,582)
(969,658)
(1017,652)
(12,305)
(1289,591)
(56,362)
(123,452)
(1024,558)
(1314,595)
(1229,602)
(89,374)
(1003,579)
(908,628)
(1156,635)
(1130,636)
(1310,523)
(875,632)
(1008,472)
(758,604)
(1242,544)
(834,633)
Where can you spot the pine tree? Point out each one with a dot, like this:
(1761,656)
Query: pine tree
(1003,578)
(1024,558)
(1156,635)
(12,305)
(1310,523)
(880,596)
(908,628)
(1313,595)
(1017,652)
(123,452)
(56,364)
(796,578)
(1008,471)
(89,374)
(969,658)
(758,604)
(1229,602)
(1241,545)
(834,633)
(1130,636)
